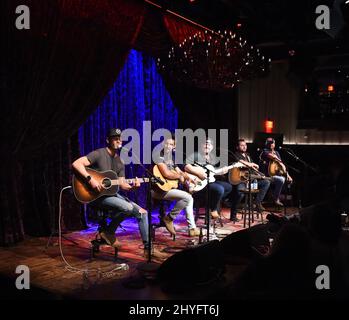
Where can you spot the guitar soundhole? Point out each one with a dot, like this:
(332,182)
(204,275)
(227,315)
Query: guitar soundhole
(106,183)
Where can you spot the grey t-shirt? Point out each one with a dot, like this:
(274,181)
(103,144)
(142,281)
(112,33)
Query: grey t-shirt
(101,160)
(166,159)
(201,159)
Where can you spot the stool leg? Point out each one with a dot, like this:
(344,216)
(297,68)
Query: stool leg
(116,251)
(94,248)
(92,253)
(221,221)
(153,233)
(244,210)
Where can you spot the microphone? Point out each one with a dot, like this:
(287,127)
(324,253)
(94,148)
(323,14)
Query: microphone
(284,148)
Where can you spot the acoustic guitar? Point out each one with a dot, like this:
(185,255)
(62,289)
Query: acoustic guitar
(276,168)
(201,184)
(170,184)
(108,179)
(239,173)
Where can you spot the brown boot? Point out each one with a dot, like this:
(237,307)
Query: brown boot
(168,221)
(110,239)
(155,253)
(194,232)
(214,214)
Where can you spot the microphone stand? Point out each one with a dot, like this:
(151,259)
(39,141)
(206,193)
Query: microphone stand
(249,185)
(249,181)
(249,198)
(306,166)
(149,265)
(207,213)
(287,191)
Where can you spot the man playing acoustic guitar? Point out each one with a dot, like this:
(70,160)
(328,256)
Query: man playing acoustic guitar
(270,155)
(263,184)
(183,199)
(218,189)
(108,159)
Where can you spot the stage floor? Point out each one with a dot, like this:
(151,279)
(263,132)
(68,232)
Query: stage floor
(51,279)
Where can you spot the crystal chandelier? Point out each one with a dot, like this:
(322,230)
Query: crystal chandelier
(213,60)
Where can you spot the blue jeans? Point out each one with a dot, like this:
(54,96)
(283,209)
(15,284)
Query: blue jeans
(278,182)
(237,195)
(183,199)
(218,191)
(123,208)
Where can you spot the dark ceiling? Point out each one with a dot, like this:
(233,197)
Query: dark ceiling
(278,26)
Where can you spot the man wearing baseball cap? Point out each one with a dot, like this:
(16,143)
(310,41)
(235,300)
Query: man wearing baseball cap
(107,158)
(269,153)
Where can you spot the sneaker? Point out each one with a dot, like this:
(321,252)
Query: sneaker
(194,232)
(110,239)
(214,214)
(278,203)
(168,221)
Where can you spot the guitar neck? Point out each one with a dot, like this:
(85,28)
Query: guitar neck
(116,182)
(220,170)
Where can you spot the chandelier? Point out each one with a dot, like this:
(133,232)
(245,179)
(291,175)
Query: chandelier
(213,60)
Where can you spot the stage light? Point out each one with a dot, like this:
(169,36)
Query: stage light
(268,126)
(330,88)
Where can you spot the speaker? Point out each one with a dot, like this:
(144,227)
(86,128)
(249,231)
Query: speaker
(245,243)
(198,265)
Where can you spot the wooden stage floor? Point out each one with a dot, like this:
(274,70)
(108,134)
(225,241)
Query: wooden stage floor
(51,279)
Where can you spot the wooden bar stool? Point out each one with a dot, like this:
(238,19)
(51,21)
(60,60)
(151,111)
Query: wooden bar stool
(248,209)
(102,215)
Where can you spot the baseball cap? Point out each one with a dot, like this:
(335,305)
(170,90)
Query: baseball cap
(114,132)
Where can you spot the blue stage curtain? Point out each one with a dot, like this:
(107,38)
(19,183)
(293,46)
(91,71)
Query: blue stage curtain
(139,94)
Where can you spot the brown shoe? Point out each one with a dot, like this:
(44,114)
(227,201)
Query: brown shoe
(110,239)
(214,214)
(259,207)
(155,254)
(167,220)
(194,232)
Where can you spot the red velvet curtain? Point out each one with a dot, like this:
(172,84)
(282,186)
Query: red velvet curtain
(180,29)
(53,77)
